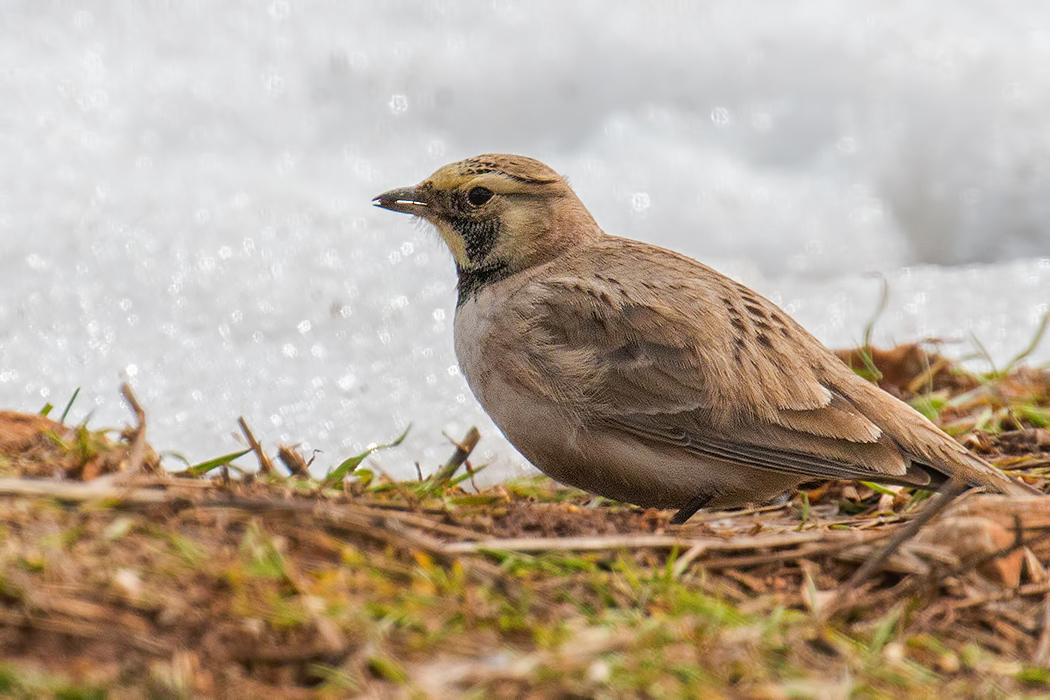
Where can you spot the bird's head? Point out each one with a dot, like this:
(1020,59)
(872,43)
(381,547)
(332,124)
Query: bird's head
(497,213)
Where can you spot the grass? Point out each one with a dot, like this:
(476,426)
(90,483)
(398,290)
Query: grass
(202,585)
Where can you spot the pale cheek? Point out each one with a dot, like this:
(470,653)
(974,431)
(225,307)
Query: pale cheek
(523,229)
(455,244)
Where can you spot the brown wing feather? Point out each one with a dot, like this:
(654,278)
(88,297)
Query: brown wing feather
(651,357)
(920,439)
(722,372)
(782,453)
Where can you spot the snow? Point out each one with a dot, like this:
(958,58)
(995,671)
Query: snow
(185,188)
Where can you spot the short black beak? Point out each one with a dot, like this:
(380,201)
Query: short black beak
(405,200)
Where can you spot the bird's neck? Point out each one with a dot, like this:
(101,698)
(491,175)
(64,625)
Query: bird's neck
(473,279)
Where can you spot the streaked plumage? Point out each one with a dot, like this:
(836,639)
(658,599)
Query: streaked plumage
(639,374)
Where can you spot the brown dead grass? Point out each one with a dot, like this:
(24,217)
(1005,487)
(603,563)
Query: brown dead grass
(138,585)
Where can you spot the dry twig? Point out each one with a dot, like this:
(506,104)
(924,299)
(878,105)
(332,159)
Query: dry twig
(265,465)
(137,452)
(463,449)
(293,460)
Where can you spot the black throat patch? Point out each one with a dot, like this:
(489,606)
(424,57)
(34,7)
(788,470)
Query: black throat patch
(479,239)
(479,236)
(475,279)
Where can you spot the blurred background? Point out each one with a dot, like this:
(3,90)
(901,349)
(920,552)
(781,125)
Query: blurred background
(185,188)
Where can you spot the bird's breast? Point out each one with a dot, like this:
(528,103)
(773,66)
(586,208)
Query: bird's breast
(477,341)
(487,337)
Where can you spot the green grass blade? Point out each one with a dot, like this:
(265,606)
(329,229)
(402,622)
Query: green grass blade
(463,477)
(1032,344)
(347,466)
(177,455)
(69,405)
(983,353)
(205,467)
(884,298)
(878,488)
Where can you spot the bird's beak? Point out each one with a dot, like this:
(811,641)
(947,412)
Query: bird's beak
(406,200)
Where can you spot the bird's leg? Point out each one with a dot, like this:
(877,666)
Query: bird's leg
(698,502)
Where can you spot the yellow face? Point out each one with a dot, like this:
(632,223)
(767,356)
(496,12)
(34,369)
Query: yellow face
(492,211)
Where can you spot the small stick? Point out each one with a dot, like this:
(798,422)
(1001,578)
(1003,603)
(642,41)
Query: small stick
(951,490)
(470,470)
(463,450)
(293,460)
(712,516)
(1009,593)
(584,543)
(97,489)
(683,562)
(635,541)
(265,465)
(802,552)
(137,451)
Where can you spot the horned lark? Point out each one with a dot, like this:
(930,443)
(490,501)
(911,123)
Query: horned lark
(644,376)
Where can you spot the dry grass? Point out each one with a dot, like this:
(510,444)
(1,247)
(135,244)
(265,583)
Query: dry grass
(137,584)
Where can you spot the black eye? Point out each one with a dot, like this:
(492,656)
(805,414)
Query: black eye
(478,196)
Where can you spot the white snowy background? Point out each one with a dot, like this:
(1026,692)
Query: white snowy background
(185,188)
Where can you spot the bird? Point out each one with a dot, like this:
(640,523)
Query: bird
(639,374)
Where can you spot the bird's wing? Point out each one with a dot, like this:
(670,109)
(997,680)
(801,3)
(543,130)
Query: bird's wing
(722,372)
(777,449)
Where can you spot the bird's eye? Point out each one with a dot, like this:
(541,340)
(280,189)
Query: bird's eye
(478,196)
